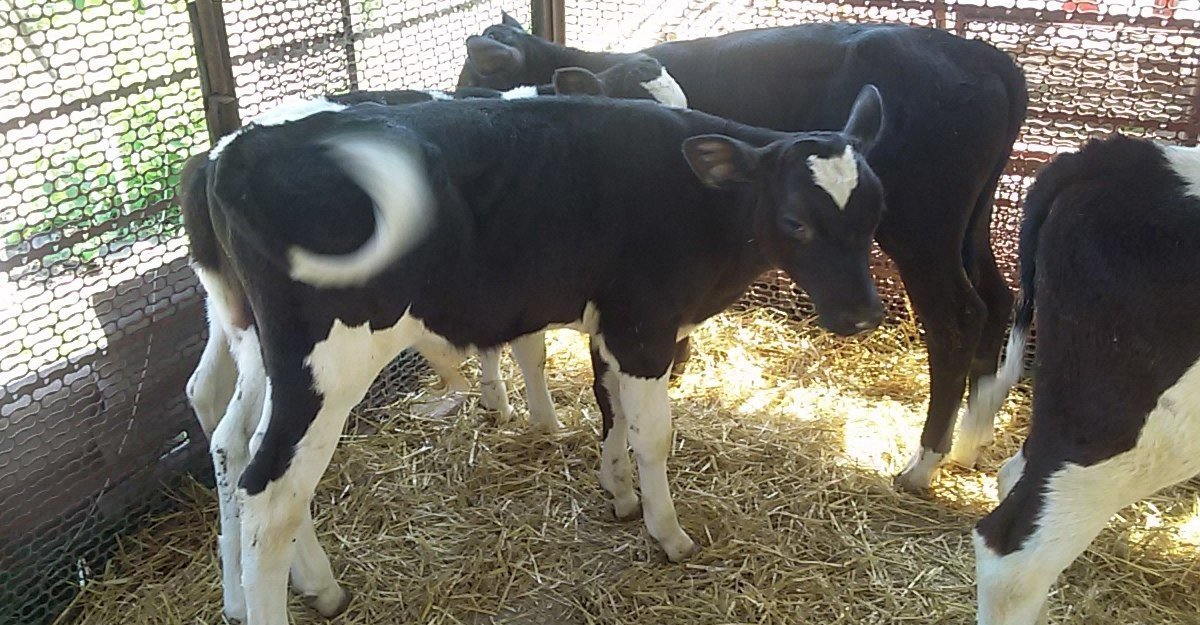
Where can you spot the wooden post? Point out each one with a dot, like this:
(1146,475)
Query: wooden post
(348,37)
(216,69)
(549,19)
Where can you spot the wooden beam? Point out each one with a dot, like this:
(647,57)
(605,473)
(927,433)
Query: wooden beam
(216,70)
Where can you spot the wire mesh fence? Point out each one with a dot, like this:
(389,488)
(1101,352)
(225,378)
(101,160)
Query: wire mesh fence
(101,101)
(100,317)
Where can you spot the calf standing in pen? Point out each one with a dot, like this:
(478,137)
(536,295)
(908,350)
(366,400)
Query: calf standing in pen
(211,387)
(493,220)
(954,107)
(1110,259)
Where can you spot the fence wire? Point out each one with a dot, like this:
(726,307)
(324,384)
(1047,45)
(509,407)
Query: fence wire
(101,321)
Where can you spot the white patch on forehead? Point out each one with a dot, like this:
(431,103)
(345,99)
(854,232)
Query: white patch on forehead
(289,110)
(1186,163)
(439,95)
(838,175)
(520,93)
(666,90)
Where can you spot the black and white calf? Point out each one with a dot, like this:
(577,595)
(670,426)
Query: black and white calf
(1110,259)
(211,386)
(954,108)
(346,234)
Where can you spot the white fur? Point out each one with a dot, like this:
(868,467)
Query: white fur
(395,179)
(666,90)
(493,394)
(1186,163)
(211,386)
(530,353)
(978,426)
(616,472)
(1080,500)
(837,175)
(439,95)
(1010,473)
(290,110)
(918,475)
(520,93)
(648,417)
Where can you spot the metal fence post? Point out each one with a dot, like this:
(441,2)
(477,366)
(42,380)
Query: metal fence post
(549,19)
(216,69)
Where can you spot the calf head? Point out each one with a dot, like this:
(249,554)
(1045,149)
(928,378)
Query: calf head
(506,56)
(816,206)
(641,77)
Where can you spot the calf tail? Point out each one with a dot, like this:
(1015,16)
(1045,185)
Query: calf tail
(387,168)
(393,175)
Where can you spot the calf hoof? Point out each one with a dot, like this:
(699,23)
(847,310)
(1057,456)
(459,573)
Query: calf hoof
(235,613)
(543,423)
(966,456)
(332,605)
(625,512)
(683,551)
(917,477)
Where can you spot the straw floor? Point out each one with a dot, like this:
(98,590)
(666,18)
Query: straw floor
(786,442)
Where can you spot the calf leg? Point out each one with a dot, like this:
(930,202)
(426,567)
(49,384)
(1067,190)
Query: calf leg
(312,576)
(683,352)
(229,446)
(212,384)
(986,394)
(616,472)
(493,395)
(1053,509)
(445,360)
(309,398)
(953,316)
(530,353)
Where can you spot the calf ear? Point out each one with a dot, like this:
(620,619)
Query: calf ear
(576,81)
(509,20)
(489,56)
(866,118)
(720,161)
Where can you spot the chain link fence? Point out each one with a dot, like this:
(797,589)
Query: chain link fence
(101,320)
(101,101)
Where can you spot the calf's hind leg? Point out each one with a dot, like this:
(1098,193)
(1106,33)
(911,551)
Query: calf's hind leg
(1054,509)
(310,396)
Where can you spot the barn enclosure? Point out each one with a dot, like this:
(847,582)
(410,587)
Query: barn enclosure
(103,467)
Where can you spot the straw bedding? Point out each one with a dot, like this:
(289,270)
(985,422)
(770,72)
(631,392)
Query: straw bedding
(786,441)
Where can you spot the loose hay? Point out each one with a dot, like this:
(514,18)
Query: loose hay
(787,439)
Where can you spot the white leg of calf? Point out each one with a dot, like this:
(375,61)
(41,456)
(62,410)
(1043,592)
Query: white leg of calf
(343,367)
(616,471)
(978,426)
(312,576)
(445,361)
(493,394)
(919,473)
(229,445)
(1010,472)
(530,353)
(648,413)
(211,386)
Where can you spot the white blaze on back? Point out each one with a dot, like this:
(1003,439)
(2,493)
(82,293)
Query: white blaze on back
(837,175)
(666,90)
(1186,163)
(520,93)
(289,110)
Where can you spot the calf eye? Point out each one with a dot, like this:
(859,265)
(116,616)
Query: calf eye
(798,229)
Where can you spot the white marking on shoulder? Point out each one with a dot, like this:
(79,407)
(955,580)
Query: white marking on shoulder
(520,93)
(666,91)
(838,175)
(439,95)
(290,110)
(395,179)
(1186,163)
